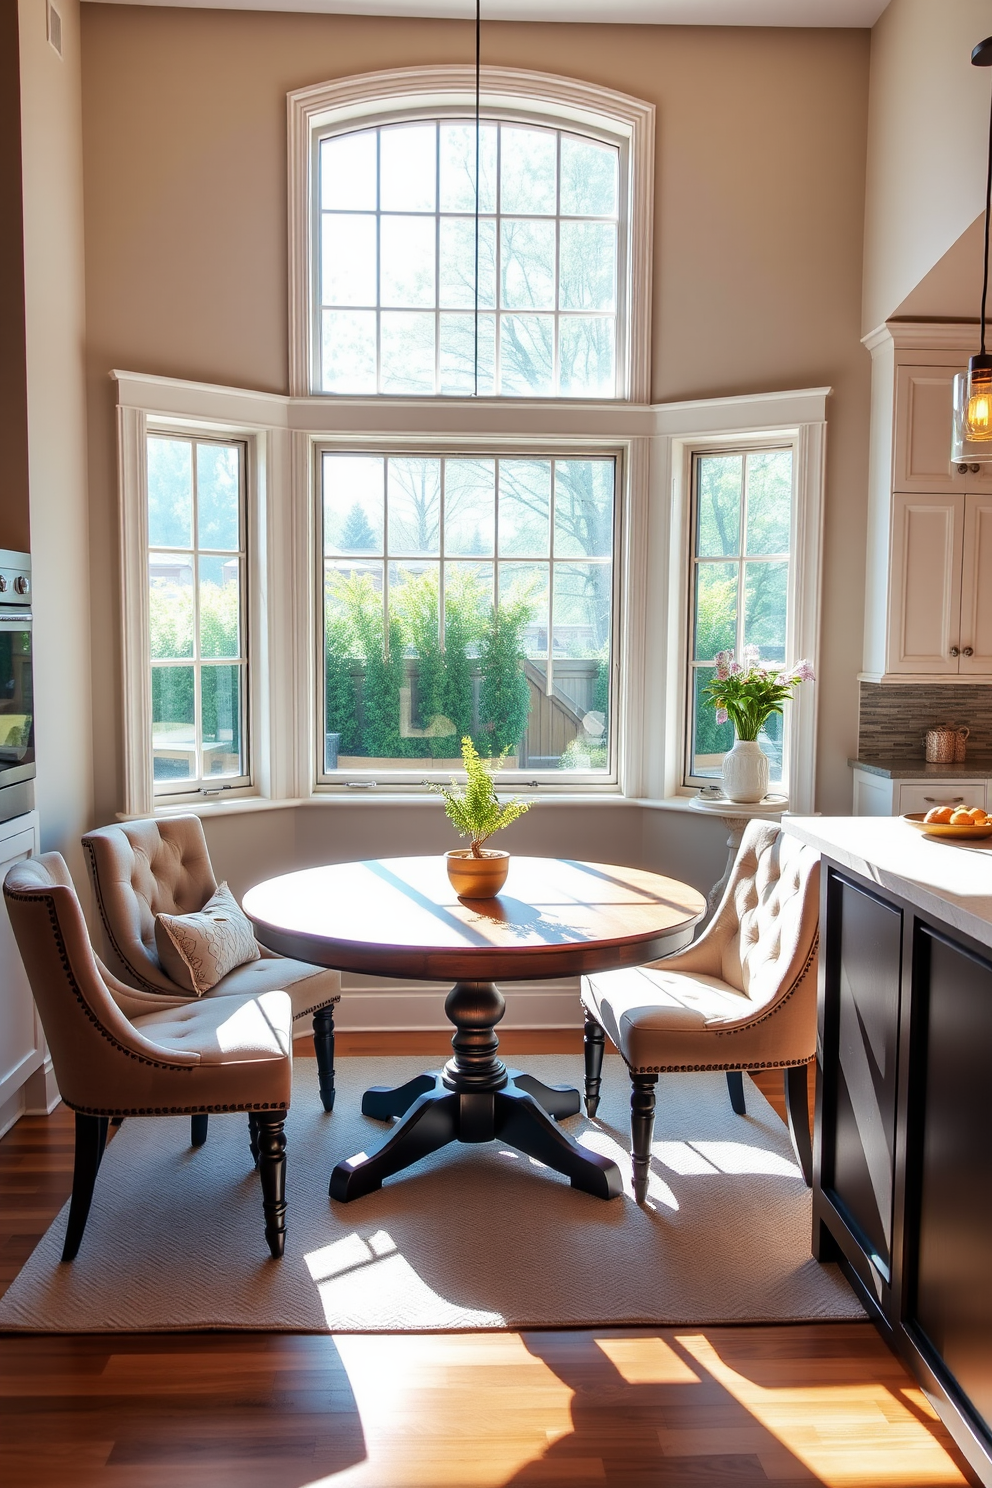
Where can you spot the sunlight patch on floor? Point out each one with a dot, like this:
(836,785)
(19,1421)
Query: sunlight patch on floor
(850,1436)
(647,1361)
(406,1425)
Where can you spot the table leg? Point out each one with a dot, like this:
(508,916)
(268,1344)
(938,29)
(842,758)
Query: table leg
(474,1099)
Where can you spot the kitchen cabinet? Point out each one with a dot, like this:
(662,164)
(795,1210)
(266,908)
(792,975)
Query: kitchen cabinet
(902,1164)
(879,795)
(928,616)
(940,614)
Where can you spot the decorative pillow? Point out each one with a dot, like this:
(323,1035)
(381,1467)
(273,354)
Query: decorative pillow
(196,950)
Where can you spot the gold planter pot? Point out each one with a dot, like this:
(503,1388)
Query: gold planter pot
(477,878)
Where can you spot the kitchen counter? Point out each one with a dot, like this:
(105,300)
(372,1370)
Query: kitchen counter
(902,768)
(951,881)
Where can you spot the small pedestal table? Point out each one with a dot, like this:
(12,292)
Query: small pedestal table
(401,917)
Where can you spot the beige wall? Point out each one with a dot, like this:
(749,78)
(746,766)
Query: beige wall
(761,151)
(14,531)
(55,320)
(927,142)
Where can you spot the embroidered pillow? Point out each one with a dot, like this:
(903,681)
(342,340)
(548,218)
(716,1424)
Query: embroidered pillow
(196,950)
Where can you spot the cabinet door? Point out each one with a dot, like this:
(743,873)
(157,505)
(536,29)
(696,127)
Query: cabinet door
(925,608)
(915,795)
(21,1048)
(976,596)
(950,1163)
(922,453)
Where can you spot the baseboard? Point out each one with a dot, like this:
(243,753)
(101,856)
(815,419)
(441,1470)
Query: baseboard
(11,1111)
(41,1093)
(370,1004)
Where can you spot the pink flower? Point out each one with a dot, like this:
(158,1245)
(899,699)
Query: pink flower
(722,715)
(804,671)
(735,668)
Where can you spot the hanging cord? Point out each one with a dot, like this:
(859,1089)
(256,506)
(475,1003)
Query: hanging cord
(478,74)
(988,203)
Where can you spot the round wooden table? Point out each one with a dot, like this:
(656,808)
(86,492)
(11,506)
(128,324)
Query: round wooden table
(401,917)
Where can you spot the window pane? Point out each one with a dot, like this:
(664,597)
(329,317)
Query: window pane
(524,508)
(457,148)
(710,740)
(527,265)
(407,265)
(170,605)
(457,258)
(769,501)
(218,496)
(469,506)
(583,599)
(348,172)
(588,178)
(348,259)
(584,508)
(220,620)
(527,355)
(415,601)
(716,609)
(528,170)
(765,608)
(348,351)
(220,700)
(588,266)
(718,505)
(353,503)
(407,341)
(170,493)
(586,356)
(414,497)
(173,724)
(408,168)
(457,355)
(524,588)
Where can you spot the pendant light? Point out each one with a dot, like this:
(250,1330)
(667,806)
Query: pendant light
(971,440)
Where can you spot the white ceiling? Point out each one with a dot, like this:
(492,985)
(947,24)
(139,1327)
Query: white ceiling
(634,12)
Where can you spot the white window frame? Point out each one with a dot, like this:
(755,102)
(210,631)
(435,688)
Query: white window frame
(507,93)
(550,781)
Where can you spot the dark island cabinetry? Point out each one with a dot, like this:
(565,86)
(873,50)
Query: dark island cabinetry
(903,1148)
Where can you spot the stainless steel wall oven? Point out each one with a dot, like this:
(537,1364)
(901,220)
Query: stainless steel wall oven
(17,761)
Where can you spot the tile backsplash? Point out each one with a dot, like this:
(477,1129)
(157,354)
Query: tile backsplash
(894,718)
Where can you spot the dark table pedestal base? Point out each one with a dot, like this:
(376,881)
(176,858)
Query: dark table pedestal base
(475,1099)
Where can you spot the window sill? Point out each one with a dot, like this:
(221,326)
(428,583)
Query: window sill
(247,805)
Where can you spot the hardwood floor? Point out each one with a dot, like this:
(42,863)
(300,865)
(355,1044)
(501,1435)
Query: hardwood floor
(669,1408)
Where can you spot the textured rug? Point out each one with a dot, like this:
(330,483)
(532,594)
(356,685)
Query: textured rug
(472,1237)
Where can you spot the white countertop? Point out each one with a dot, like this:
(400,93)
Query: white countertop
(949,881)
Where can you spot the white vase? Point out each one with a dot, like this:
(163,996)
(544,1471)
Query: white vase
(745,772)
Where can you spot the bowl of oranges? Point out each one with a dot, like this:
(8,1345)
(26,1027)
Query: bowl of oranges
(969,822)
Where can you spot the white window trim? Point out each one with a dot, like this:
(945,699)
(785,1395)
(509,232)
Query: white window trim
(282,432)
(418,90)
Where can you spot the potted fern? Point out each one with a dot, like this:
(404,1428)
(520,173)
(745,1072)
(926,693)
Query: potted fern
(477,872)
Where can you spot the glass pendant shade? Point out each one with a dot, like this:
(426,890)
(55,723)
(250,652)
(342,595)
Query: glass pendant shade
(972,433)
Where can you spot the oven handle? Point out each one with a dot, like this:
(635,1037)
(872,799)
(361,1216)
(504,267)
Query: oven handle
(16,618)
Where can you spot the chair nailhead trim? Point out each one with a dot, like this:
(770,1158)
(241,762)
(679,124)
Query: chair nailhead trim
(200,1110)
(49,903)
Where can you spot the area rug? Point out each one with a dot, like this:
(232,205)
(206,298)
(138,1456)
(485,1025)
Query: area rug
(472,1237)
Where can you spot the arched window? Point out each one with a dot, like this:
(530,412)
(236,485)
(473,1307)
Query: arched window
(385,253)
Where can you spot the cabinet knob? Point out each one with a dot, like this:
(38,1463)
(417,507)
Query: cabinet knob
(962,470)
(955,651)
(974,469)
(968,651)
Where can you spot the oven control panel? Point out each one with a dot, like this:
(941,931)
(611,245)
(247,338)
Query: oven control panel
(15,578)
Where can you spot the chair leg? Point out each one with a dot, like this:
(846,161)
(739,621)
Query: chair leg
(91,1138)
(272,1171)
(323,1044)
(735,1084)
(253,1135)
(594,1043)
(641,1131)
(797,1109)
(198,1130)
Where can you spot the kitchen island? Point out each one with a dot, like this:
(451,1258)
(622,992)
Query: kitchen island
(902,1184)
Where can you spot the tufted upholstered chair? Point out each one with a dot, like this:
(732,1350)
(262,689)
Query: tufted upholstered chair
(144,868)
(742,997)
(118,1052)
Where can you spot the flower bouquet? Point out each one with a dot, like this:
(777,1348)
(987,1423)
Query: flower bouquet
(747,693)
